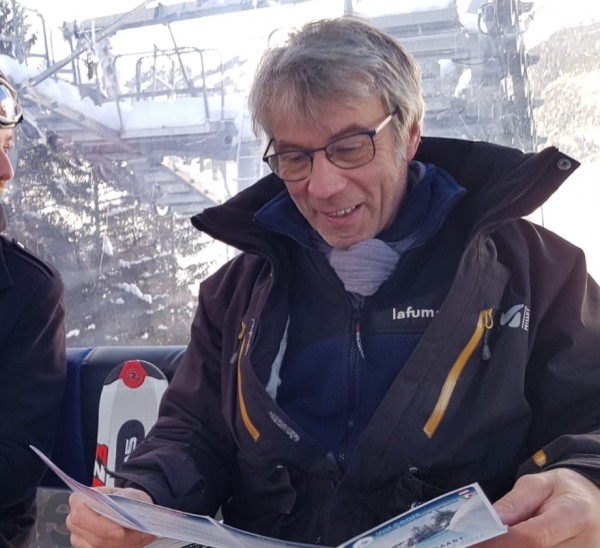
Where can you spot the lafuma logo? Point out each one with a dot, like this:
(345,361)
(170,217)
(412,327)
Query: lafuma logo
(516,317)
(410,312)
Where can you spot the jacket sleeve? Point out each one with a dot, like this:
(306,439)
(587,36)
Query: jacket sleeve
(186,459)
(32,379)
(563,377)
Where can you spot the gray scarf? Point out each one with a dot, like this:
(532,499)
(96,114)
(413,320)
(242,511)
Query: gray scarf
(364,266)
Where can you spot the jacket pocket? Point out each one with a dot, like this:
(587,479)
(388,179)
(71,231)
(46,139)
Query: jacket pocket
(261,499)
(411,490)
(282,502)
(485,322)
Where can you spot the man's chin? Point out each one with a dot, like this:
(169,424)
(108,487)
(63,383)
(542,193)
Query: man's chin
(338,242)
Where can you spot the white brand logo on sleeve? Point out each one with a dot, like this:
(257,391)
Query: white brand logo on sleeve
(516,317)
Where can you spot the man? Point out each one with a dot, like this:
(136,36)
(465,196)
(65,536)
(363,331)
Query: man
(392,330)
(32,358)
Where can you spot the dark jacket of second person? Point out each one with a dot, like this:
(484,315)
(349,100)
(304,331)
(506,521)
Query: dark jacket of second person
(32,378)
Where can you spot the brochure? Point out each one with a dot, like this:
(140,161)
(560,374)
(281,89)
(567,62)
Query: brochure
(459,519)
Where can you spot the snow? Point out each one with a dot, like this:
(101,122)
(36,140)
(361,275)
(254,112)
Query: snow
(134,290)
(130,118)
(107,246)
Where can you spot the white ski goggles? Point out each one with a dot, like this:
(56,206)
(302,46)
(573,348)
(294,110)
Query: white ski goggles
(11,112)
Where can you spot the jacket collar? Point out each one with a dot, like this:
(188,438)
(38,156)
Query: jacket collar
(501,183)
(431,195)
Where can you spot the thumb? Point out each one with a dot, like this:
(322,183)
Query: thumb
(128,492)
(524,500)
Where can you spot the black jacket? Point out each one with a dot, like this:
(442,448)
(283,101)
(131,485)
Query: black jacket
(32,378)
(504,381)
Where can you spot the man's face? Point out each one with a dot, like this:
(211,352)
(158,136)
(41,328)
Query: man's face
(347,206)
(6,170)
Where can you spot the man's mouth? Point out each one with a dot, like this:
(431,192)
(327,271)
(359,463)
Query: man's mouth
(342,212)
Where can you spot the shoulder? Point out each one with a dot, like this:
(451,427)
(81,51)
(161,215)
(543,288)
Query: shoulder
(232,285)
(523,234)
(25,266)
(242,270)
(534,252)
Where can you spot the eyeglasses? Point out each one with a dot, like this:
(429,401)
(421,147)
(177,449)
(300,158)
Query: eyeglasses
(348,152)
(10,110)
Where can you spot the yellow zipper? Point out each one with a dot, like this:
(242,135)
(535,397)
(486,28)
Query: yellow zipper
(484,323)
(252,430)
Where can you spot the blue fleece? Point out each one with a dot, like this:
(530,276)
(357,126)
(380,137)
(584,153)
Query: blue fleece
(330,384)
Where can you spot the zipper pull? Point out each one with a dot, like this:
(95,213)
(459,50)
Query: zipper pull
(242,331)
(241,334)
(359,340)
(357,304)
(488,323)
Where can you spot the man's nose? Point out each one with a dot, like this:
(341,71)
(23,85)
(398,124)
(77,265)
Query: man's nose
(6,169)
(326,179)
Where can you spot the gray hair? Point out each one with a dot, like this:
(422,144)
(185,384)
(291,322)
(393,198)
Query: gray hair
(336,61)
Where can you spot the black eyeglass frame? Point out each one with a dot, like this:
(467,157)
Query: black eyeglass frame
(310,153)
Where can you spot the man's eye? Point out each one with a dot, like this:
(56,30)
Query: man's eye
(293,157)
(349,147)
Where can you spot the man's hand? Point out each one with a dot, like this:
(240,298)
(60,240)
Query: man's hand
(89,529)
(558,508)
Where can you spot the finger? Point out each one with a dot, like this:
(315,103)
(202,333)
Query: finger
(93,529)
(526,498)
(565,520)
(83,517)
(85,523)
(115,536)
(79,542)
(132,539)
(135,494)
(88,528)
(526,535)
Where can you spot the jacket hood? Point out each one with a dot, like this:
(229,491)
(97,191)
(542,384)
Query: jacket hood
(502,183)
(233,221)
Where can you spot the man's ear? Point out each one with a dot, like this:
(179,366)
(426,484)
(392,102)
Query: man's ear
(414,139)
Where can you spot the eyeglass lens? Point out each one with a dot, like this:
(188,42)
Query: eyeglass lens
(347,153)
